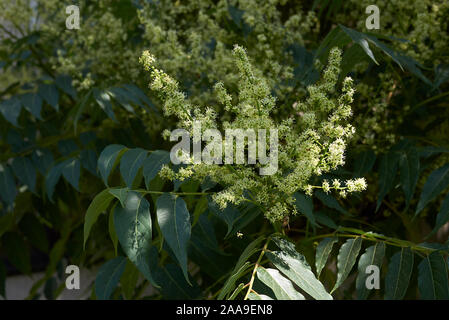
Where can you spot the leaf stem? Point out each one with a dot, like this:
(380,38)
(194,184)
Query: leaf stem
(253,275)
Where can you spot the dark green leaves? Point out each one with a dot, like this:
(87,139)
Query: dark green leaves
(24,170)
(398,275)
(364,162)
(52,179)
(433,280)
(443,215)
(108,159)
(387,174)
(240,267)
(304,205)
(153,164)
(282,287)
(174,222)
(132,160)
(296,268)
(64,83)
(96,207)
(71,170)
(17,251)
(438,181)
(50,94)
(104,101)
(229,215)
(373,256)
(174,285)
(322,253)
(35,232)
(8,190)
(133,227)
(346,259)
(108,277)
(33,103)
(10,109)
(409,173)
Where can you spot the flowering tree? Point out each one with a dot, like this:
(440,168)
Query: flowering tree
(320,156)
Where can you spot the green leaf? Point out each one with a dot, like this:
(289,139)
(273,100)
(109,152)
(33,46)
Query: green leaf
(346,259)
(236,291)
(153,164)
(442,216)
(43,159)
(98,205)
(17,251)
(52,179)
(132,160)
(133,227)
(322,253)
(121,194)
(122,97)
(403,61)
(81,105)
(247,213)
(108,277)
(229,215)
(256,296)
(373,255)
(329,201)
(211,261)
(89,161)
(24,170)
(8,191)
(387,175)
(240,267)
(6,222)
(111,230)
(361,40)
(67,147)
(364,162)
(205,229)
(433,282)
(323,218)
(35,232)
(64,83)
(437,182)
(304,205)
(174,222)
(138,93)
(10,109)
(104,101)
(32,102)
(282,287)
(174,284)
(71,170)
(50,94)
(398,274)
(296,268)
(286,246)
(409,173)
(108,160)
(129,280)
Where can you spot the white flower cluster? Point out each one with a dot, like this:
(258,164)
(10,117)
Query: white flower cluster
(310,144)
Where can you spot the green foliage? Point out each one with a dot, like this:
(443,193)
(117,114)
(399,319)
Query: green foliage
(363,119)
